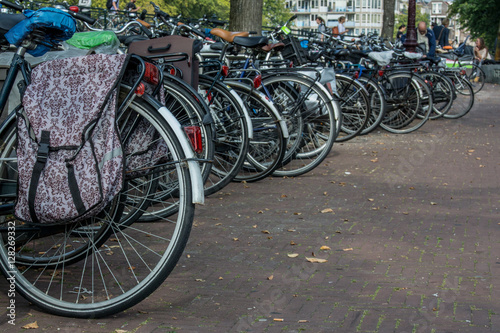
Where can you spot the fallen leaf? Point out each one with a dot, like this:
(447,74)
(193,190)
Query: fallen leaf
(433,203)
(327,210)
(471,150)
(284,196)
(338,232)
(303,321)
(254,226)
(120,331)
(291,230)
(325,193)
(278,319)
(188,255)
(260,212)
(199,280)
(265,231)
(217,224)
(412,188)
(348,249)
(131,268)
(295,255)
(293,243)
(325,248)
(375,160)
(478,158)
(31,326)
(297,213)
(270,237)
(481,166)
(316,260)
(405,213)
(371,199)
(235,239)
(270,277)
(221,278)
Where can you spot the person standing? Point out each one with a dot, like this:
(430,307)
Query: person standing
(401,31)
(131,7)
(321,26)
(442,33)
(342,29)
(425,40)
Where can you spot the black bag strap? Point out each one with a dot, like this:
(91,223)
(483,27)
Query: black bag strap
(41,159)
(440,34)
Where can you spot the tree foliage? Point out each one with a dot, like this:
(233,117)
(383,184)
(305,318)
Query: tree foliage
(185,8)
(274,13)
(480,17)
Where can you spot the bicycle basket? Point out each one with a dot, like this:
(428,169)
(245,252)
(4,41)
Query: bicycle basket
(293,51)
(59,26)
(70,159)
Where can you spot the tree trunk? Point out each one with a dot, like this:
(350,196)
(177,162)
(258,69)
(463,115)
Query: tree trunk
(246,15)
(388,19)
(497,52)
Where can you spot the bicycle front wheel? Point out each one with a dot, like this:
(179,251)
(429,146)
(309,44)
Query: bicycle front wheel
(99,267)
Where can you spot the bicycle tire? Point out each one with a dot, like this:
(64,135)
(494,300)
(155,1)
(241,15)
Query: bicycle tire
(408,96)
(131,263)
(378,105)
(231,132)
(267,147)
(442,90)
(464,97)
(355,106)
(315,110)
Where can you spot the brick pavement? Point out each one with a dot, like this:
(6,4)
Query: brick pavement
(412,237)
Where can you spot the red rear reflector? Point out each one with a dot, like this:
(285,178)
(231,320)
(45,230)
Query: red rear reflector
(152,74)
(74,9)
(139,91)
(172,71)
(225,70)
(462,72)
(257,81)
(356,75)
(380,73)
(194,135)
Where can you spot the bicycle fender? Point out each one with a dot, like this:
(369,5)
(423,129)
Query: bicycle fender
(194,167)
(245,112)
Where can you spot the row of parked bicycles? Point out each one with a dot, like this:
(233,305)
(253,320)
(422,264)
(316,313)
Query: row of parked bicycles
(194,112)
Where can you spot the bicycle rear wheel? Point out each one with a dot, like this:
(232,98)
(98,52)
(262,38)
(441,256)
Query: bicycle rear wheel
(355,106)
(267,148)
(231,137)
(117,265)
(463,97)
(409,101)
(310,117)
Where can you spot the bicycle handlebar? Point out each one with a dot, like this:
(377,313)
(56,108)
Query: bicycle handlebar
(12,5)
(77,16)
(80,17)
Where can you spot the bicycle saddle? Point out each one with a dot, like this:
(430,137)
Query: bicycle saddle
(276,46)
(228,36)
(127,40)
(251,42)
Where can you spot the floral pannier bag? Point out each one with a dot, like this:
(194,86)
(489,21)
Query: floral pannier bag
(70,157)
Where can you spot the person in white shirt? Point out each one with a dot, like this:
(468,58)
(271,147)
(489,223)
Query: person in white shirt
(342,29)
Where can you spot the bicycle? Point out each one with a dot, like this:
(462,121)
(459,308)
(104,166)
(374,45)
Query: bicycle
(101,265)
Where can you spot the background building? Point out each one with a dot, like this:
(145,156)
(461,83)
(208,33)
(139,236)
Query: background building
(362,16)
